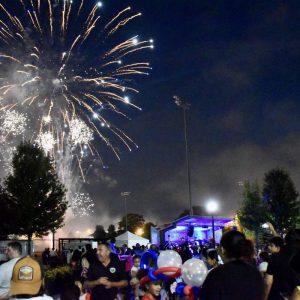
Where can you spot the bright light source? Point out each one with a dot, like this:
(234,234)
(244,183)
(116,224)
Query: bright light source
(212,206)
(126,99)
(119,62)
(135,41)
(152,46)
(139,231)
(151,41)
(95,115)
(47,119)
(102,124)
(99,4)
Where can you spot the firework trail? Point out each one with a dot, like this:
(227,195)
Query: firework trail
(62,70)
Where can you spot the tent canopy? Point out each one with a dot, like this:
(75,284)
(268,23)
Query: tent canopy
(130,240)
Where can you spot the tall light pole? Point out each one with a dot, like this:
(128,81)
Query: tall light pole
(125,195)
(212,207)
(185,105)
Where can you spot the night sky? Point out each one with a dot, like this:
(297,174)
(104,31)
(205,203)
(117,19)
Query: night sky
(237,63)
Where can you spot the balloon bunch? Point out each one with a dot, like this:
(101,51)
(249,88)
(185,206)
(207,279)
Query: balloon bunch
(169,265)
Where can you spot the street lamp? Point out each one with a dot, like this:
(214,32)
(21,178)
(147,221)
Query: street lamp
(212,207)
(125,195)
(185,105)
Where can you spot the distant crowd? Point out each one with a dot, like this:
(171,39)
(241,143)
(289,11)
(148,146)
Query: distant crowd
(236,271)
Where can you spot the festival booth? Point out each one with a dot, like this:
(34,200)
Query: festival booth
(130,240)
(194,228)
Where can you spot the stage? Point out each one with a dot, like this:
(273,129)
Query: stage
(194,228)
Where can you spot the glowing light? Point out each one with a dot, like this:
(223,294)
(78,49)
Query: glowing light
(126,99)
(13,122)
(82,204)
(80,133)
(135,41)
(99,4)
(46,141)
(212,206)
(47,119)
(139,231)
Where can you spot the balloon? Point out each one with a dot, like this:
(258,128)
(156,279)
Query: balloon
(169,258)
(194,272)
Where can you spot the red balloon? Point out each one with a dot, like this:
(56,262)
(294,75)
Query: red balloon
(188,290)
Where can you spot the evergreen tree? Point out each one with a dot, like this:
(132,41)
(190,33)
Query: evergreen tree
(253,212)
(100,233)
(36,196)
(280,195)
(111,231)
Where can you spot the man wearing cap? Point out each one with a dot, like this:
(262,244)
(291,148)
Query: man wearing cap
(105,276)
(27,280)
(13,253)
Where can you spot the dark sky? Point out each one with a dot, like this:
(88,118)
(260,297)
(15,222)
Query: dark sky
(238,64)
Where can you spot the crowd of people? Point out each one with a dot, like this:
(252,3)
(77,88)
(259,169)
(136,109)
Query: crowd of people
(236,271)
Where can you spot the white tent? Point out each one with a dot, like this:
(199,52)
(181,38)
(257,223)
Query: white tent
(130,240)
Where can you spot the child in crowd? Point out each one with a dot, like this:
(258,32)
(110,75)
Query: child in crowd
(153,289)
(134,282)
(212,258)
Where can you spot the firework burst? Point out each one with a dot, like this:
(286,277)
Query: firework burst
(82,204)
(58,65)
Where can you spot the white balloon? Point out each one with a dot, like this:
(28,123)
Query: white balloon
(194,272)
(169,258)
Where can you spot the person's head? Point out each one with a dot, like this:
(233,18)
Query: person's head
(13,250)
(234,245)
(27,278)
(103,251)
(88,247)
(113,240)
(70,292)
(264,256)
(153,288)
(275,244)
(212,257)
(136,261)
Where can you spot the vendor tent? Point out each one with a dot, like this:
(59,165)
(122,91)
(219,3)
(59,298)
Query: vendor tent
(130,240)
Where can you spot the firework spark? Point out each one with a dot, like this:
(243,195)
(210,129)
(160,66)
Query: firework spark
(82,204)
(80,133)
(13,122)
(46,141)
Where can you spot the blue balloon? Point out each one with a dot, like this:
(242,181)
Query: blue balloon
(179,289)
(150,254)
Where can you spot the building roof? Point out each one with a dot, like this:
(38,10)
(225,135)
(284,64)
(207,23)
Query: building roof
(199,221)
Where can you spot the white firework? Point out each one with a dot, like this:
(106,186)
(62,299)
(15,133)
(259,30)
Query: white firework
(80,133)
(46,141)
(13,122)
(82,204)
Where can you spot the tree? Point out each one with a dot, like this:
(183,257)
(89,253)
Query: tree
(147,230)
(134,221)
(35,194)
(111,231)
(100,233)
(253,212)
(281,197)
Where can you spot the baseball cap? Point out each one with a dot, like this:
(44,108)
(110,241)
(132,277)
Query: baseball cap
(26,277)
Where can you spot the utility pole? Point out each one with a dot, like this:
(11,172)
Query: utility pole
(185,106)
(124,196)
